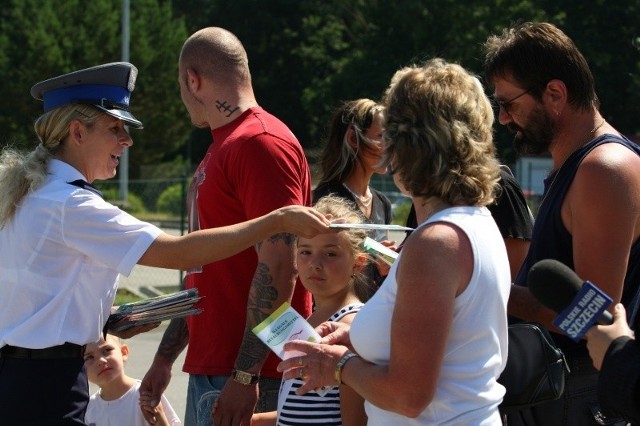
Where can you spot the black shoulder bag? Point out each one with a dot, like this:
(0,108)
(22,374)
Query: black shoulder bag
(535,370)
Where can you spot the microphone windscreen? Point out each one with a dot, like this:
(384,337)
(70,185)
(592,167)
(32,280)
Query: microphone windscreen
(553,283)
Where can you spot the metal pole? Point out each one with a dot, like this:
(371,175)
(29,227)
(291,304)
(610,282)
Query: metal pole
(124,159)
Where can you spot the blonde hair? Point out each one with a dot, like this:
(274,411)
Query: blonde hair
(340,208)
(21,173)
(439,134)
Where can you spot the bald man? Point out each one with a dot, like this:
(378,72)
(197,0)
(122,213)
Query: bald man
(253,165)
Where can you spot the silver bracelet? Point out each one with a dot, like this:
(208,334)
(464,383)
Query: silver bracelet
(340,365)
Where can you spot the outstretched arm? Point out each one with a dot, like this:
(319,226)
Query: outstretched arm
(208,245)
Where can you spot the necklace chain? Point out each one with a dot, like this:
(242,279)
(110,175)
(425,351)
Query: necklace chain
(363,201)
(591,133)
(595,129)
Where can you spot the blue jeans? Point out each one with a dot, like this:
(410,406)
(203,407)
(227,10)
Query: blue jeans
(202,392)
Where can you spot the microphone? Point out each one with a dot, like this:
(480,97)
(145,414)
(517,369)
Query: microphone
(579,303)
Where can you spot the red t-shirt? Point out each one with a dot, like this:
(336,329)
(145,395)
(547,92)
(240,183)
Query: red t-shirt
(254,165)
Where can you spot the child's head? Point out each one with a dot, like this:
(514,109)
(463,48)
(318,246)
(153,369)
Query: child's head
(104,360)
(330,263)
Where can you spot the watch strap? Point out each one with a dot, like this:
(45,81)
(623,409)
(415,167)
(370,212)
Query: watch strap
(340,365)
(244,377)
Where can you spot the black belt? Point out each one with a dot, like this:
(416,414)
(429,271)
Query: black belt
(67,350)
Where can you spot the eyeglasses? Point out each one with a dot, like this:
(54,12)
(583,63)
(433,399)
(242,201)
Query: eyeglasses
(505,105)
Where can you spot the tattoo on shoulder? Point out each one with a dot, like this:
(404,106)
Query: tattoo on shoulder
(223,107)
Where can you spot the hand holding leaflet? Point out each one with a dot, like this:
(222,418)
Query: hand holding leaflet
(283,325)
(379,251)
(155,309)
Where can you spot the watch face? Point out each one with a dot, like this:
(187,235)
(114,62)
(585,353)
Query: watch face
(243,377)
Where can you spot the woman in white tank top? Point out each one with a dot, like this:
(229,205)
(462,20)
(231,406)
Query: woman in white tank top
(429,346)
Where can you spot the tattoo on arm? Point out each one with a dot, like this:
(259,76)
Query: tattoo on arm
(252,351)
(263,296)
(261,300)
(287,239)
(174,340)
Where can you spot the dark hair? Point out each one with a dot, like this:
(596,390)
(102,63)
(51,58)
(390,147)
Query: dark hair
(532,54)
(338,157)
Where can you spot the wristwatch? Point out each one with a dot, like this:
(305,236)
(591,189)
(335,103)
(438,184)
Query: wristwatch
(340,365)
(243,377)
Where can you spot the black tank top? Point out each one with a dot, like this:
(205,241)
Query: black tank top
(551,240)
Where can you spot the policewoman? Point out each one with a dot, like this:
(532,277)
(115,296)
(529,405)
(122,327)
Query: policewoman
(62,247)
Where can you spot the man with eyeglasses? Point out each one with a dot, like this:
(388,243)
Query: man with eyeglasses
(589,217)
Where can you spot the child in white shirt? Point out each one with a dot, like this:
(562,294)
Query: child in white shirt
(118,401)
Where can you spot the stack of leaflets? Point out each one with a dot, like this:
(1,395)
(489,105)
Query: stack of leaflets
(155,309)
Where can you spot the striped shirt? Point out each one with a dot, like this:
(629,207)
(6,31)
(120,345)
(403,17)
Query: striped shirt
(311,408)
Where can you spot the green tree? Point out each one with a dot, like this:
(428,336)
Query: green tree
(42,43)
(156,40)
(45,38)
(604,32)
(305,56)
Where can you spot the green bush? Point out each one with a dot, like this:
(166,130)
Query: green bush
(401,212)
(134,204)
(125,296)
(171,200)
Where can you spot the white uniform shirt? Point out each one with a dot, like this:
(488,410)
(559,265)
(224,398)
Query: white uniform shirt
(60,256)
(476,353)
